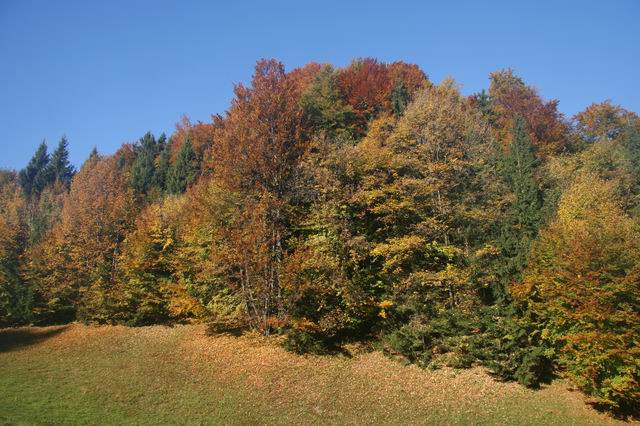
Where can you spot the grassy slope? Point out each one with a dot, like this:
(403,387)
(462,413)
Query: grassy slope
(159,375)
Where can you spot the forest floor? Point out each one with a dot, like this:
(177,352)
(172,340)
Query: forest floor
(181,375)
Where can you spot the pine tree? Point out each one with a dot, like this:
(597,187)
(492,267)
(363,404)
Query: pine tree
(60,168)
(36,175)
(184,170)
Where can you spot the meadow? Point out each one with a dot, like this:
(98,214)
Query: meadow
(104,375)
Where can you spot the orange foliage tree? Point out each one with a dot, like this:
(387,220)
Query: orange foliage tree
(582,286)
(76,266)
(14,295)
(258,146)
(511,97)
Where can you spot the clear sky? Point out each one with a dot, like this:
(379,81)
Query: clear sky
(105,72)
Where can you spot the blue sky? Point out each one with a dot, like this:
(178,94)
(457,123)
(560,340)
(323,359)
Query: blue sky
(105,72)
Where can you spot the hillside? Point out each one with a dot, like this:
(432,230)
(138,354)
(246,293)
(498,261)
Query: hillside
(159,375)
(366,202)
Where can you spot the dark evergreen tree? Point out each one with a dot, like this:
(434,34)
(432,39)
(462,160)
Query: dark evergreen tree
(524,216)
(37,174)
(483,104)
(143,170)
(93,154)
(162,168)
(184,171)
(400,98)
(61,169)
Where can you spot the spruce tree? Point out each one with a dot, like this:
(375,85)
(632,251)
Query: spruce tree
(400,98)
(143,170)
(61,169)
(524,216)
(36,175)
(184,170)
(92,155)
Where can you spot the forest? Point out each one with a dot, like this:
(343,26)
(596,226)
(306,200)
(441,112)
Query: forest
(364,203)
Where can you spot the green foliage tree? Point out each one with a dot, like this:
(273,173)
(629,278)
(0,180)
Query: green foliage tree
(144,168)
(37,175)
(162,163)
(62,170)
(522,220)
(324,108)
(400,98)
(184,170)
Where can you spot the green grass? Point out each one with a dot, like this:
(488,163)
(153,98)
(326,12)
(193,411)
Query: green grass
(159,375)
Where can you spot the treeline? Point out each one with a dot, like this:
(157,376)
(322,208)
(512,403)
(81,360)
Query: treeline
(333,205)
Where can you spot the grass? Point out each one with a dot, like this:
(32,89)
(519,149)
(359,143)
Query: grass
(158,375)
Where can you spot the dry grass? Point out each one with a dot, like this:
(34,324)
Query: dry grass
(159,375)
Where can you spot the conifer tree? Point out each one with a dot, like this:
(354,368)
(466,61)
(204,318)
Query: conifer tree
(400,98)
(93,153)
(523,218)
(36,175)
(183,171)
(163,164)
(143,170)
(60,168)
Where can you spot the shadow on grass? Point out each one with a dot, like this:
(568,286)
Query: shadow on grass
(16,338)
(625,414)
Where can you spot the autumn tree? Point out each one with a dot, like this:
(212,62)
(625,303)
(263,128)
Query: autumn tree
(258,146)
(606,124)
(510,97)
(366,86)
(429,216)
(582,284)
(603,121)
(406,81)
(201,137)
(15,297)
(76,266)
(150,261)
(387,236)
(324,108)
